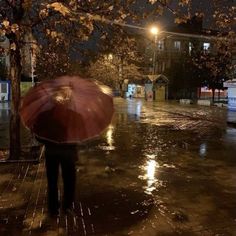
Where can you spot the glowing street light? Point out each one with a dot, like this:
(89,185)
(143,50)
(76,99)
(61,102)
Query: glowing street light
(110,57)
(154,30)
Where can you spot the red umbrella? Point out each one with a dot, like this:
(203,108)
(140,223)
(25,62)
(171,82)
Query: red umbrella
(67,109)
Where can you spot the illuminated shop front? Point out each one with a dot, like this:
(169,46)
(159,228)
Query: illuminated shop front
(135,91)
(231,85)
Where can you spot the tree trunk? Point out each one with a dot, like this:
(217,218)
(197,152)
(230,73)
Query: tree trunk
(120,69)
(15,147)
(218,94)
(213,94)
(199,93)
(15,77)
(15,73)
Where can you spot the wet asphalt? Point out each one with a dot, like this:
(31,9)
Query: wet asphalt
(158,169)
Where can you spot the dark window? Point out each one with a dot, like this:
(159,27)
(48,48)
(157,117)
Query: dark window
(4,88)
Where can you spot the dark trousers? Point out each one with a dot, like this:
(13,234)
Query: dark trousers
(63,156)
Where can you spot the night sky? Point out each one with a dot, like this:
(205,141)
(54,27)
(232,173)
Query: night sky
(205,6)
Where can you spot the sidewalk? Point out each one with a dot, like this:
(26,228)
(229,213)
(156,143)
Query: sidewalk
(23,204)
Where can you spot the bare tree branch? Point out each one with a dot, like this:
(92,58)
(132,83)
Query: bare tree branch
(167,7)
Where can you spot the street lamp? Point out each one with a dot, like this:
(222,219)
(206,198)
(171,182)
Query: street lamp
(154,31)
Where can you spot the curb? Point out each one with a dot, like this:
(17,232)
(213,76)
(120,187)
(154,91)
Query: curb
(36,161)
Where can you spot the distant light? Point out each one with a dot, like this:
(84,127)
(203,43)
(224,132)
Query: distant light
(110,56)
(203,150)
(154,30)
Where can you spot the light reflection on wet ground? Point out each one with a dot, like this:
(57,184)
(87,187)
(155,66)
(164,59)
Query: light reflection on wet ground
(161,169)
(179,161)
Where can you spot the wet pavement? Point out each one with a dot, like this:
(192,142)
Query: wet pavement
(159,169)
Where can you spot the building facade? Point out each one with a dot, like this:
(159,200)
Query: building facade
(171,54)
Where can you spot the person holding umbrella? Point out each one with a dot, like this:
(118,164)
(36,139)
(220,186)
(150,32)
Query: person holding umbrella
(64,156)
(63,113)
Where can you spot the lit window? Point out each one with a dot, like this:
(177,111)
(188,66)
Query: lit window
(190,48)
(160,45)
(206,46)
(177,45)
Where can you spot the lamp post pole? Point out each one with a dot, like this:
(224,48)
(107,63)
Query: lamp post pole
(154,55)
(154,31)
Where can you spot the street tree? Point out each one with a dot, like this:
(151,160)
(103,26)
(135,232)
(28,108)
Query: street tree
(213,67)
(119,63)
(203,67)
(112,71)
(52,61)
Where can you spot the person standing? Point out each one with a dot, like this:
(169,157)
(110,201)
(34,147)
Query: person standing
(62,113)
(58,156)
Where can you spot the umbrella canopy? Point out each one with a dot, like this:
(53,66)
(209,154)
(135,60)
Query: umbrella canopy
(67,109)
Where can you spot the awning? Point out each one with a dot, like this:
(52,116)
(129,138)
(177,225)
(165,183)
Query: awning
(230,83)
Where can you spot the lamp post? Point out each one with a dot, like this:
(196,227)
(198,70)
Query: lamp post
(154,31)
